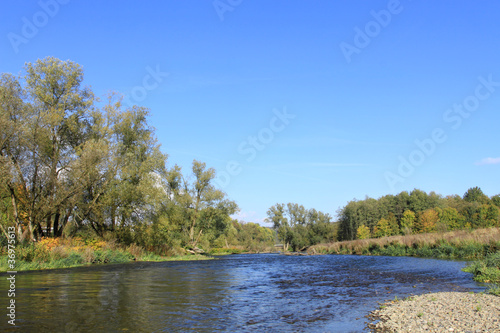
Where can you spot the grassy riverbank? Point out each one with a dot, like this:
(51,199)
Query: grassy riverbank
(52,253)
(463,244)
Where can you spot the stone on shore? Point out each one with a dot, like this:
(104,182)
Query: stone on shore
(439,312)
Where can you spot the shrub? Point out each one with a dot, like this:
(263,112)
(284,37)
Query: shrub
(486,270)
(425,251)
(74,259)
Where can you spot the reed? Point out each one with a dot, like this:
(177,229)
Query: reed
(461,244)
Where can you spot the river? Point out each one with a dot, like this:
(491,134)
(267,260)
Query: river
(238,293)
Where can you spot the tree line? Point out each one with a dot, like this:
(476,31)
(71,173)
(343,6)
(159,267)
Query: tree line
(70,163)
(417,212)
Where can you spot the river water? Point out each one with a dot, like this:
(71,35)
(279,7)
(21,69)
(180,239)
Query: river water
(238,293)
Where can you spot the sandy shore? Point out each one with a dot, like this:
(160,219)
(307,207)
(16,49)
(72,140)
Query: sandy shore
(439,312)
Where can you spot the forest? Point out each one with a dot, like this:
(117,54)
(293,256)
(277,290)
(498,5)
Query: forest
(417,212)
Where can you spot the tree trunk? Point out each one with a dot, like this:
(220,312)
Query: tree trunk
(56,223)
(16,214)
(31,229)
(113,217)
(58,231)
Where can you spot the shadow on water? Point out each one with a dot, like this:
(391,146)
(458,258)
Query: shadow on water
(243,293)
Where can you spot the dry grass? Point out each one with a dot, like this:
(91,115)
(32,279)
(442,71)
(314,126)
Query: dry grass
(458,238)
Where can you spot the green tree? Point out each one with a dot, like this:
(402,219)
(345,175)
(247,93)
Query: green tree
(393,223)
(206,209)
(407,222)
(363,232)
(495,200)
(426,221)
(450,218)
(277,216)
(125,170)
(49,118)
(382,228)
(475,194)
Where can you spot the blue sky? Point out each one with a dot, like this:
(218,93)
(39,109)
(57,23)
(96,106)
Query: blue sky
(316,103)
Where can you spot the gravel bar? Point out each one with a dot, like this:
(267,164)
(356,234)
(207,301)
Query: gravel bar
(439,312)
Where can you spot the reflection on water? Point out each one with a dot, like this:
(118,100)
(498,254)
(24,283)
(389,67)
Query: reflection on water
(241,293)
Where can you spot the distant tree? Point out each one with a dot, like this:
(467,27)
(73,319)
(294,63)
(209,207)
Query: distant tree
(496,200)
(200,200)
(277,216)
(382,229)
(297,214)
(418,201)
(349,221)
(407,222)
(475,194)
(363,232)
(426,221)
(450,218)
(298,227)
(393,223)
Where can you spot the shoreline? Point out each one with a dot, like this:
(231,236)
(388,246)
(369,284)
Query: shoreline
(438,312)
(46,266)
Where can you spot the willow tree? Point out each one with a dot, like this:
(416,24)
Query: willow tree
(201,210)
(49,113)
(63,159)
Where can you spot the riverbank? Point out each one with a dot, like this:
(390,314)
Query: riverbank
(52,253)
(463,244)
(439,312)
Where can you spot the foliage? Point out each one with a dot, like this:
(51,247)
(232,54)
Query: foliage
(407,222)
(70,165)
(363,232)
(487,270)
(418,212)
(426,221)
(382,229)
(298,227)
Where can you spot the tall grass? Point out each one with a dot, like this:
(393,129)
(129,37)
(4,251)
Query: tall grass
(461,244)
(63,253)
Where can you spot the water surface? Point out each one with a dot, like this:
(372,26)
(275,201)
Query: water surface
(239,293)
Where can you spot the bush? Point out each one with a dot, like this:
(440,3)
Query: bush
(486,270)
(445,251)
(395,250)
(25,252)
(74,259)
(425,251)
(493,260)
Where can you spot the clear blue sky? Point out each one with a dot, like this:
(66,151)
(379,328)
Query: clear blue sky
(363,79)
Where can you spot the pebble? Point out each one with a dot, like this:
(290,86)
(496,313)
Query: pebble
(439,312)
